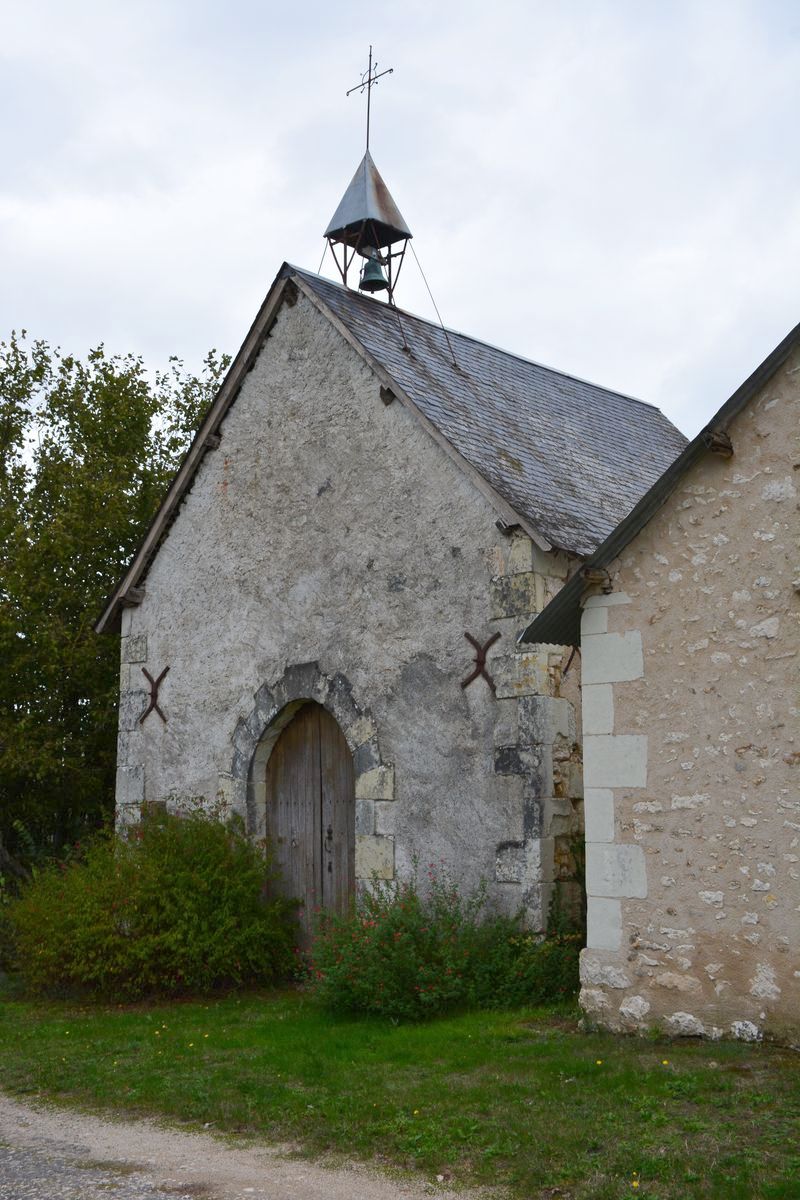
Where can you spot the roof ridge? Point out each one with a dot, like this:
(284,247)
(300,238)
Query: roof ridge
(404,312)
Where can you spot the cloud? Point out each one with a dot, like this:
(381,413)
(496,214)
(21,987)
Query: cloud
(605,187)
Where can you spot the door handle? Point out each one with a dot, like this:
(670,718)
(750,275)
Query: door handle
(329,840)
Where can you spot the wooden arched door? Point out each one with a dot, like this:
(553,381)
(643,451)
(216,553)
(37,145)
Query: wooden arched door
(311,812)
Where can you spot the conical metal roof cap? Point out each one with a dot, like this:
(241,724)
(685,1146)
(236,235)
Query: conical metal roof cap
(367,199)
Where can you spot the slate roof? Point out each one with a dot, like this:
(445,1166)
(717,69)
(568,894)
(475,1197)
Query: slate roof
(569,456)
(559,623)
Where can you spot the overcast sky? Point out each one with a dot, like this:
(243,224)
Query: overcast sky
(609,187)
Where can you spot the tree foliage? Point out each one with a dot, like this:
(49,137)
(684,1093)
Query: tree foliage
(86,451)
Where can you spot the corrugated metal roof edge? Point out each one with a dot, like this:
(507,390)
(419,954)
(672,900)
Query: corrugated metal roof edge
(559,623)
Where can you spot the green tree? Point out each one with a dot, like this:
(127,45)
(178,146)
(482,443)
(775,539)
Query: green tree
(87,449)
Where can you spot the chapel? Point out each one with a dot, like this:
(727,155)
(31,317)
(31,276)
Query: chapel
(320,628)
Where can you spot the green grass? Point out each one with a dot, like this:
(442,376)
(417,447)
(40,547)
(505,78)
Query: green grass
(522,1099)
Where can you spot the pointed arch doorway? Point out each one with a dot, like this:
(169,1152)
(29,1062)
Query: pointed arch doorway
(310,813)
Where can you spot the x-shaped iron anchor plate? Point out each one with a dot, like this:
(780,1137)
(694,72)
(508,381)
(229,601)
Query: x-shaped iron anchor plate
(153,706)
(480,660)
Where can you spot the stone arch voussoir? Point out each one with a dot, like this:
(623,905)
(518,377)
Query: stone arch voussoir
(254,736)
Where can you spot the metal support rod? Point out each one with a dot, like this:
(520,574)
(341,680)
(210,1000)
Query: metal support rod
(433,302)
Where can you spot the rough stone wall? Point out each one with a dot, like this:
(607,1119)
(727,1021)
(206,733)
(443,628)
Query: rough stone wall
(692,748)
(328,549)
(537,756)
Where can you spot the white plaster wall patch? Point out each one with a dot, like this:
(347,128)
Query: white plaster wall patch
(612,657)
(615,870)
(616,761)
(597,705)
(603,924)
(130,785)
(374,857)
(606,600)
(594,620)
(377,784)
(385,816)
(598,809)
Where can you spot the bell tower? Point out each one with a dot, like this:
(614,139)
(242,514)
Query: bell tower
(367,222)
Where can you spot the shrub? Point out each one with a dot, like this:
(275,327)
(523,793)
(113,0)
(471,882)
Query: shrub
(177,906)
(405,955)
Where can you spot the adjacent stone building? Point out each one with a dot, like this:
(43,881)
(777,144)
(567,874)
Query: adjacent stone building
(688,622)
(321,625)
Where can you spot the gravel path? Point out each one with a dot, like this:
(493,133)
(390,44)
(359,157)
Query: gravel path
(58,1154)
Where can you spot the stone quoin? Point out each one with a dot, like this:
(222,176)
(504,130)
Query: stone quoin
(690,646)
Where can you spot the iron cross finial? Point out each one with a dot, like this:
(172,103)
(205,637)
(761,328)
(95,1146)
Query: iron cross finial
(368,81)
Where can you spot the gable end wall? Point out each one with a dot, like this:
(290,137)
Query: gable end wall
(692,748)
(330,544)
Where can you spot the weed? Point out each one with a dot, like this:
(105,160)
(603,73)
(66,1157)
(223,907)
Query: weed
(409,954)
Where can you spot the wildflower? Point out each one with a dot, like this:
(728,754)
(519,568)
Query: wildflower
(598,1062)
(665,1062)
(416,1112)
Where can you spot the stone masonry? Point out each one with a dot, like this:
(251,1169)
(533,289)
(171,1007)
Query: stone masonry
(692,747)
(328,549)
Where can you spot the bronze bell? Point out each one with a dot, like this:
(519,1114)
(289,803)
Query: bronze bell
(372,277)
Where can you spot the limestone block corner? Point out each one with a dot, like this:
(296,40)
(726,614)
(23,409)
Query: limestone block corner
(376,783)
(374,857)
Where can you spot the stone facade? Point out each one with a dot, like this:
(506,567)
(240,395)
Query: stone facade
(328,549)
(692,747)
